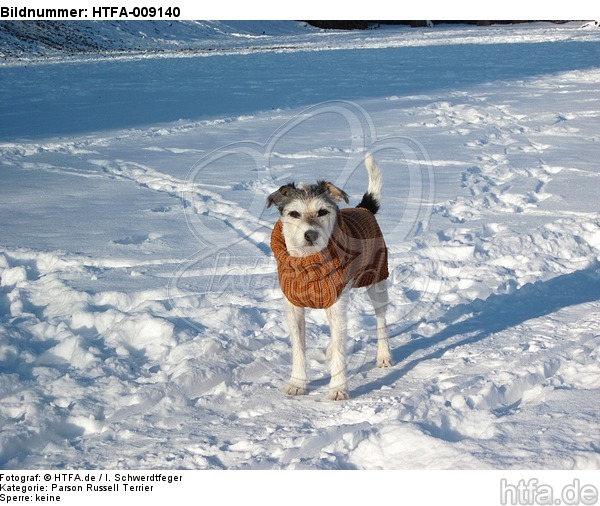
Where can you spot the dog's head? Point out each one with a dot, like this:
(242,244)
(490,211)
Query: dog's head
(308,215)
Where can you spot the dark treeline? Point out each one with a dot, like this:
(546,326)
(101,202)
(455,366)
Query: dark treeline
(365,25)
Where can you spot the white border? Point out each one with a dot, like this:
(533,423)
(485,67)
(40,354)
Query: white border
(313,9)
(448,488)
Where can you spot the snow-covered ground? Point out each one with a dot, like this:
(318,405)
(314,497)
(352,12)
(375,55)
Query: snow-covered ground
(141,324)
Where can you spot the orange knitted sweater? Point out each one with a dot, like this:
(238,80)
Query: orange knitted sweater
(356,255)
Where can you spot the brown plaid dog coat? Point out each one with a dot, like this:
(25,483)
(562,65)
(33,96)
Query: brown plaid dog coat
(356,255)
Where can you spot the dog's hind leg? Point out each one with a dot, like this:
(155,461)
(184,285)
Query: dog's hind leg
(379,297)
(338,386)
(297,327)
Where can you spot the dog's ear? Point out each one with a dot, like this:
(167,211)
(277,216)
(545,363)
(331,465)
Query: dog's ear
(336,193)
(277,197)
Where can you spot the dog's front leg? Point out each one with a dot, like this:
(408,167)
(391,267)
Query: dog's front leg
(338,387)
(297,327)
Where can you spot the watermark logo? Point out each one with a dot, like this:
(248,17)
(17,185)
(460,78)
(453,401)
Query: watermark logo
(328,141)
(533,493)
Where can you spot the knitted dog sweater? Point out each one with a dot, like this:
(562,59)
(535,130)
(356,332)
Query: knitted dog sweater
(356,255)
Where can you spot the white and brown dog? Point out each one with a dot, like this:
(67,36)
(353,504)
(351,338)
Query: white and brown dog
(322,251)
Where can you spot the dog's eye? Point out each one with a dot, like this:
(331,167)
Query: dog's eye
(322,212)
(294,214)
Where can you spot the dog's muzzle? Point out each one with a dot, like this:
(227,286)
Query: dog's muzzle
(311,236)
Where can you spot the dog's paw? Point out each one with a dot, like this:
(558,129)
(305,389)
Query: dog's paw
(338,394)
(385,362)
(294,390)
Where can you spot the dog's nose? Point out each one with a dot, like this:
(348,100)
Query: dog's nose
(311,235)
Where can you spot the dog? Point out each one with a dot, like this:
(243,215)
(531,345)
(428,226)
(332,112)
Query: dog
(322,252)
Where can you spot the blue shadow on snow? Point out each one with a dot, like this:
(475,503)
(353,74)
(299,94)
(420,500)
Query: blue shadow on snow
(495,314)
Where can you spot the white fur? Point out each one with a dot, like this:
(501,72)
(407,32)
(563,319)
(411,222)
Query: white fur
(375,179)
(294,229)
(301,216)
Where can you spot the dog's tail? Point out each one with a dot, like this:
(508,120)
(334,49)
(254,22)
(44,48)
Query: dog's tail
(372,198)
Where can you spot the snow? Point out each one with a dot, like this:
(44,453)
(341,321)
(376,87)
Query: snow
(141,325)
